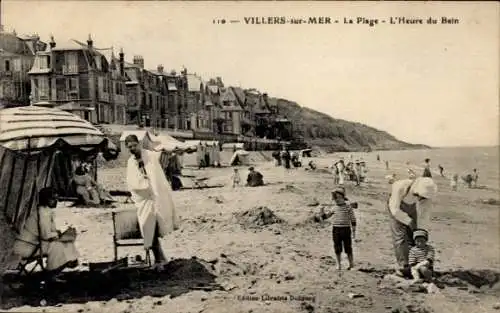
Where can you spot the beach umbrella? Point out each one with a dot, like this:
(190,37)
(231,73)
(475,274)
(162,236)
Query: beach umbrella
(36,128)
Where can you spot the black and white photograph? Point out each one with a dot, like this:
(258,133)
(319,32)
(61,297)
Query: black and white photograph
(249,156)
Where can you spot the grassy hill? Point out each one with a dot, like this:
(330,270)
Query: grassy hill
(319,129)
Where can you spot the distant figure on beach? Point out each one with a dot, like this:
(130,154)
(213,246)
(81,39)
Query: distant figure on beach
(386,165)
(277,158)
(363,171)
(254,178)
(409,207)
(235,178)
(285,155)
(335,173)
(378,157)
(441,170)
(312,166)
(357,172)
(207,155)
(475,177)
(340,172)
(471,179)
(454,182)
(200,155)
(427,168)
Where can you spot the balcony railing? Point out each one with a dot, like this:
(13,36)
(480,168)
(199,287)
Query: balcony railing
(70,69)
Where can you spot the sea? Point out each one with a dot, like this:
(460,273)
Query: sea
(461,160)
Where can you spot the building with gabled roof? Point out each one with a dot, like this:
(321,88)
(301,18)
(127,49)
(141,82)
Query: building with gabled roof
(144,94)
(80,74)
(17,54)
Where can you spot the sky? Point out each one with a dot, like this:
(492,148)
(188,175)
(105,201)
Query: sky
(431,84)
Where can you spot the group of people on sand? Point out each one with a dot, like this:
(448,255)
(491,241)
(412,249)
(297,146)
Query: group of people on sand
(287,158)
(408,207)
(470,179)
(150,192)
(254,178)
(353,170)
(208,155)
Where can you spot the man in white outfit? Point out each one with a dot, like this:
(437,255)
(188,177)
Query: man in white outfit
(152,196)
(409,207)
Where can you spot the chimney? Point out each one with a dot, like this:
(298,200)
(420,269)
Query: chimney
(160,68)
(219,82)
(138,60)
(52,43)
(122,62)
(90,42)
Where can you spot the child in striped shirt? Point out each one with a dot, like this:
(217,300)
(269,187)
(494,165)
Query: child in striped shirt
(344,227)
(421,257)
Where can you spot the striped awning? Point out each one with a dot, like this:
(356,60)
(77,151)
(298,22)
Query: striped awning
(43,126)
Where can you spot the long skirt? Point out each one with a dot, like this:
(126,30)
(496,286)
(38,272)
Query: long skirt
(58,253)
(89,196)
(341,178)
(402,235)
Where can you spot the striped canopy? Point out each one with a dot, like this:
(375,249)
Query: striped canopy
(42,127)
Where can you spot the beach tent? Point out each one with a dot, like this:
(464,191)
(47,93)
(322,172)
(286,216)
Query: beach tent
(240,157)
(169,143)
(37,148)
(230,146)
(194,143)
(193,160)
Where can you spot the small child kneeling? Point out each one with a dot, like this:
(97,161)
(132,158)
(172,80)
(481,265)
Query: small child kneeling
(344,227)
(421,257)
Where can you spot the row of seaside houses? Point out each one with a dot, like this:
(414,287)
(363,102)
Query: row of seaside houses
(105,88)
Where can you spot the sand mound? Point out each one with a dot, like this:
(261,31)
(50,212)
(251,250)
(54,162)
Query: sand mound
(476,278)
(188,269)
(292,188)
(490,201)
(258,216)
(317,217)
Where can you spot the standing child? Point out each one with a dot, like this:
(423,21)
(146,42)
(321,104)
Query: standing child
(421,257)
(344,227)
(235,178)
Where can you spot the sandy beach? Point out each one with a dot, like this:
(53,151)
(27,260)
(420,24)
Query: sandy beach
(223,261)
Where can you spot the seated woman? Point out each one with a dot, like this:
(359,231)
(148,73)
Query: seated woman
(40,228)
(254,178)
(88,189)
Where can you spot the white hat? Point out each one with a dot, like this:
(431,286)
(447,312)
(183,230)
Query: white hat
(424,187)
